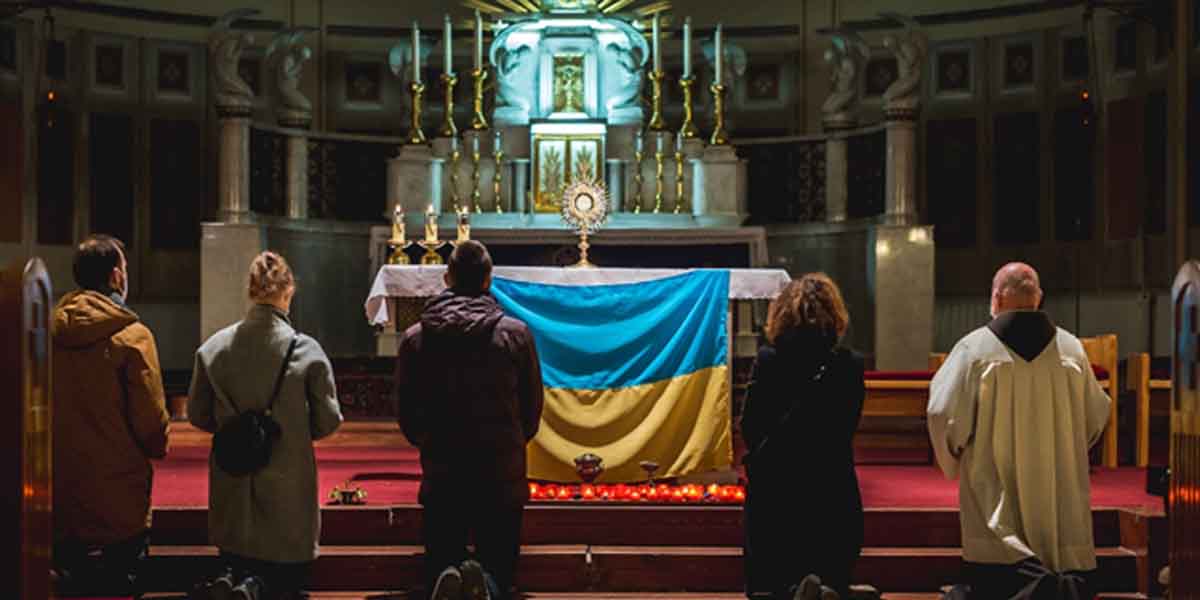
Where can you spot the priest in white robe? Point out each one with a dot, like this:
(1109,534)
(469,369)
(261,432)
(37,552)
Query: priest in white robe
(1012,414)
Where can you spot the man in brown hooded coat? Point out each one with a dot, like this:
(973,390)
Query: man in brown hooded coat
(110,419)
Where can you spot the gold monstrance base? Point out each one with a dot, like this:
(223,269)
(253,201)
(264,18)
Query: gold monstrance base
(583,245)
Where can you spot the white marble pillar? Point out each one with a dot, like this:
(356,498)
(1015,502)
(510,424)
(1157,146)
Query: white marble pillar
(297,166)
(837,168)
(233,171)
(520,185)
(718,191)
(226,250)
(693,151)
(900,195)
(900,265)
(414,181)
(614,176)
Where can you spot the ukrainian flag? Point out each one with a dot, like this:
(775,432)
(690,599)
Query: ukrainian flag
(633,372)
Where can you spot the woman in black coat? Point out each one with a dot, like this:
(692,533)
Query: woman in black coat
(803,511)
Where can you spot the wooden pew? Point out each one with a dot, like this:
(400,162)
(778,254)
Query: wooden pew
(1152,399)
(1102,352)
(897,398)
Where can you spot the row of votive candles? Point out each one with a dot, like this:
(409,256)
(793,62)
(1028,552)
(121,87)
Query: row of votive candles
(731,494)
(431,225)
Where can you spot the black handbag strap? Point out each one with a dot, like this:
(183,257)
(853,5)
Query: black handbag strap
(287,358)
(780,426)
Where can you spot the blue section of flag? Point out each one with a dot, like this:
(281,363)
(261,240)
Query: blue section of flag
(598,337)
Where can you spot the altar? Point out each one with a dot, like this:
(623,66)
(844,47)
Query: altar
(637,364)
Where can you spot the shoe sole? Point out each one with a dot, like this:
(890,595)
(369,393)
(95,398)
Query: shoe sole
(449,586)
(474,584)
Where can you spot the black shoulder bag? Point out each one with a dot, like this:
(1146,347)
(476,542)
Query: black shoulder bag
(243,443)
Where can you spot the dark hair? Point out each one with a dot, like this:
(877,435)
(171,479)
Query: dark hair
(95,258)
(469,266)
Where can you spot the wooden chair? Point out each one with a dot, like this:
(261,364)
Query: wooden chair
(1102,352)
(1152,398)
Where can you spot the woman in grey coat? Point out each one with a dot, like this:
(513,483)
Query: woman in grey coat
(266,524)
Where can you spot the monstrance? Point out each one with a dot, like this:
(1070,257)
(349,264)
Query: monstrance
(585,207)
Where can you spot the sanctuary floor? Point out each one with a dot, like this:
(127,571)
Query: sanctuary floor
(382,463)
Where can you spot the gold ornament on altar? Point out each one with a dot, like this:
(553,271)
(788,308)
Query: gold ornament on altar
(585,208)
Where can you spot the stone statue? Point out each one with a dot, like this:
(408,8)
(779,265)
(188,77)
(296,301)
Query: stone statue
(225,50)
(910,51)
(847,54)
(629,62)
(512,91)
(288,58)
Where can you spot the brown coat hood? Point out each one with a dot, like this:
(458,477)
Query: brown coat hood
(84,317)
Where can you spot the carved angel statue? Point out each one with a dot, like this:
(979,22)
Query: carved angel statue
(847,53)
(910,53)
(512,91)
(629,62)
(225,50)
(288,58)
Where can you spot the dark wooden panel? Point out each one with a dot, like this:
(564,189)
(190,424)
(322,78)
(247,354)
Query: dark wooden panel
(56,177)
(111,141)
(951,176)
(866,157)
(347,180)
(787,182)
(1154,153)
(176,183)
(1017,192)
(267,172)
(12,168)
(1074,175)
(1124,169)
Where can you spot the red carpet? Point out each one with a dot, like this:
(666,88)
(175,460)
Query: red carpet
(392,476)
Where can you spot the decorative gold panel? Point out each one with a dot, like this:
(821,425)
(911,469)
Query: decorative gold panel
(568,83)
(559,160)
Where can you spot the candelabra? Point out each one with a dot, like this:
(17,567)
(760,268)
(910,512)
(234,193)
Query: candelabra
(678,179)
(656,118)
(499,155)
(688,129)
(431,257)
(658,180)
(455,155)
(718,134)
(638,156)
(479,122)
(415,135)
(448,128)
(475,180)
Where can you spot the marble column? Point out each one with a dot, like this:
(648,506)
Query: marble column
(718,187)
(226,250)
(900,265)
(297,164)
(614,176)
(414,181)
(900,195)
(520,185)
(837,169)
(233,170)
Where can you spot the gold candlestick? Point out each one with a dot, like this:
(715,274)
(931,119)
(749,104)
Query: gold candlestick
(688,129)
(449,129)
(455,155)
(678,179)
(656,118)
(496,182)
(475,181)
(638,157)
(479,122)
(658,181)
(718,134)
(397,243)
(415,135)
(431,257)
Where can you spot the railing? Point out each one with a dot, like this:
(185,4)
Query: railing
(866,157)
(268,171)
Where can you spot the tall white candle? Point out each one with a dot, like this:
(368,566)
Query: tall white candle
(496,142)
(719,51)
(658,143)
(687,48)
(478,41)
(637,142)
(657,50)
(448,66)
(416,48)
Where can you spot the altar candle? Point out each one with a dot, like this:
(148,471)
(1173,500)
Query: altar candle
(658,143)
(478,41)
(464,225)
(657,50)
(687,48)
(718,51)
(398,224)
(447,65)
(416,48)
(496,142)
(431,230)
(637,142)
(679,144)
(475,145)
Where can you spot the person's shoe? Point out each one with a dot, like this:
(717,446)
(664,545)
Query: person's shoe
(221,588)
(449,585)
(809,589)
(473,581)
(827,593)
(249,589)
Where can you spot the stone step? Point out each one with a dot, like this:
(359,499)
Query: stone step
(608,525)
(620,569)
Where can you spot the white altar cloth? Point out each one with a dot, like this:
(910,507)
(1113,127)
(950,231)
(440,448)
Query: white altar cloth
(423,281)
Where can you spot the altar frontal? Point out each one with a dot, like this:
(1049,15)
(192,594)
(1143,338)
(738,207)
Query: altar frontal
(633,372)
